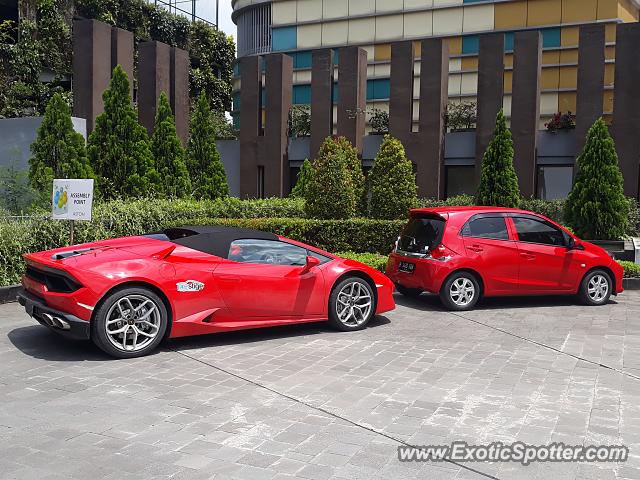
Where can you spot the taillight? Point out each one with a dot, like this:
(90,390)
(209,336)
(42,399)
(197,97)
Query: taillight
(441,253)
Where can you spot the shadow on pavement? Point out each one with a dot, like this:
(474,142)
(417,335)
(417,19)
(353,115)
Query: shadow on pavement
(39,342)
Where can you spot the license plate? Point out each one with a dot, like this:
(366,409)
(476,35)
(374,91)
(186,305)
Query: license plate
(407,267)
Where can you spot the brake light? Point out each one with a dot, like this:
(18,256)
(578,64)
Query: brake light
(441,253)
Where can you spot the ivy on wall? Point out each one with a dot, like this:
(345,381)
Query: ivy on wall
(36,55)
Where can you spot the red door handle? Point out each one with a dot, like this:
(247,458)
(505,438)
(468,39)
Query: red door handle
(476,248)
(527,256)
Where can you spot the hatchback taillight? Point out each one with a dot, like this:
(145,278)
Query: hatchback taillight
(441,253)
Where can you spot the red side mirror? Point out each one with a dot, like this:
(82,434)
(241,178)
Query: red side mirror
(311,262)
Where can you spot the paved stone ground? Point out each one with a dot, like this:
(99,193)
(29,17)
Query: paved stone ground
(311,403)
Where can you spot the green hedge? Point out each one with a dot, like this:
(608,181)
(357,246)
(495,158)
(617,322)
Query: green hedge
(631,270)
(374,260)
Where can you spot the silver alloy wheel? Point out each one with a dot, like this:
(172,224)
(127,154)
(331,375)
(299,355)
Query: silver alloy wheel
(133,322)
(462,291)
(354,304)
(598,288)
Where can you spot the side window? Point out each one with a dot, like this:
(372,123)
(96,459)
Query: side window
(267,252)
(494,228)
(322,258)
(538,231)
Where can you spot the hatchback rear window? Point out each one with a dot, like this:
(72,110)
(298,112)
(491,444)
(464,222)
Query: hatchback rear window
(421,234)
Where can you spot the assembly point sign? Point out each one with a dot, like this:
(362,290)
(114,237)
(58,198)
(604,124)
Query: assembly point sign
(72,199)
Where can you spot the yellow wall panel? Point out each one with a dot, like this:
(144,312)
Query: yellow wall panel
(469,63)
(609,73)
(508,81)
(510,14)
(361,30)
(569,56)
(607,9)
(607,104)
(455,45)
(447,21)
(551,58)
(568,77)
(382,52)
(418,24)
(610,53)
(627,12)
(610,32)
(579,10)
(417,48)
(478,18)
(544,12)
(389,27)
(508,60)
(570,36)
(567,102)
(550,78)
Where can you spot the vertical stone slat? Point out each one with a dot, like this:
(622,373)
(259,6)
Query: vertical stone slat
(91,68)
(490,93)
(274,156)
(321,98)
(154,72)
(250,124)
(352,101)
(179,91)
(591,64)
(434,95)
(626,105)
(122,53)
(525,107)
(401,101)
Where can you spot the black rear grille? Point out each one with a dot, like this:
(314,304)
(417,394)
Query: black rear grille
(55,282)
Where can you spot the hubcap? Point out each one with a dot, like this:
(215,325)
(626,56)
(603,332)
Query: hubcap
(354,304)
(598,288)
(132,323)
(462,291)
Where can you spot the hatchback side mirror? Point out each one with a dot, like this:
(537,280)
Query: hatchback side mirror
(311,262)
(574,245)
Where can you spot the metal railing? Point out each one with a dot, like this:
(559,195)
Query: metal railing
(173,7)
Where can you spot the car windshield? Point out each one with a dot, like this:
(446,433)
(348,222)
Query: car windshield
(421,234)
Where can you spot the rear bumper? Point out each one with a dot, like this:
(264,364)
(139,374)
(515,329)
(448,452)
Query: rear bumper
(428,274)
(62,323)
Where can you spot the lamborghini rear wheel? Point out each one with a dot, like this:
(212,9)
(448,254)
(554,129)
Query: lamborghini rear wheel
(129,323)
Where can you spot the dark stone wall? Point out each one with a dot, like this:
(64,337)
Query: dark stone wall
(91,68)
(321,98)
(626,105)
(525,107)
(490,93)
(591,62)
(401,102)
(179,91)
(154,74)
(122,53)
(250,125)
(352,100)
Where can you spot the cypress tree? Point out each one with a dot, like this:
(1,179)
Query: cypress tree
(499,181)
(596,207)
(208,178)
(329,193)
(59,151)
(304,177)
(118,147)
(354,165)
(392,183)
(168,153)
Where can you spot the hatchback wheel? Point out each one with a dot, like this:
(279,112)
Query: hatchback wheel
(460,292)
(129,323)
(596,288)
(351,304)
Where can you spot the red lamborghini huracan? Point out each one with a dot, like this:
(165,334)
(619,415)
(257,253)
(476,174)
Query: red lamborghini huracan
(127,294)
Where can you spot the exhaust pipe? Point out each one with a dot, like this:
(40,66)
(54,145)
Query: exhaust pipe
(60,323)
(48,319)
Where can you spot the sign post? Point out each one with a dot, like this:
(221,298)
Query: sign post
(72,200)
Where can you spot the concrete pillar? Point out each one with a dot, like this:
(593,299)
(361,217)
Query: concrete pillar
(434,95)
(401,101)
(179,92)
(154,73)
(321,98)
(590,95)
(250,124)
(626,105)
(91,68)
(122,53)
(352,102)
(525,107)
(490,93)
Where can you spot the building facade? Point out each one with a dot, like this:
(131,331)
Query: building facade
(297,27)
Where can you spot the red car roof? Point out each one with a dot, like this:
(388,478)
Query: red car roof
(473,210)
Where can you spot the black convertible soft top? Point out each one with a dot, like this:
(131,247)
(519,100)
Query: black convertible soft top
(211,239)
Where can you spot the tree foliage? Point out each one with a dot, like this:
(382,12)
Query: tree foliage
(392,183)
(596,207)
(118,147)
(499,181)
(208,177)
(330,193)
(304,177)
(168,153)
(354,166)
(59,151)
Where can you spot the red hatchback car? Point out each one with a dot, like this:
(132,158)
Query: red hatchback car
(465,253)
(128,294)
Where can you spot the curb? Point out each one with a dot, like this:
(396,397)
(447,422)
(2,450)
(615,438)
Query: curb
(8,294)
(631,283)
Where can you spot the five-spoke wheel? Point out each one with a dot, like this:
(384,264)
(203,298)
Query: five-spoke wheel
(351,304)
(130,323)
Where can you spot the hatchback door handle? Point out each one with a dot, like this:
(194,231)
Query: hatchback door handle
(476,248)
(528,256)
